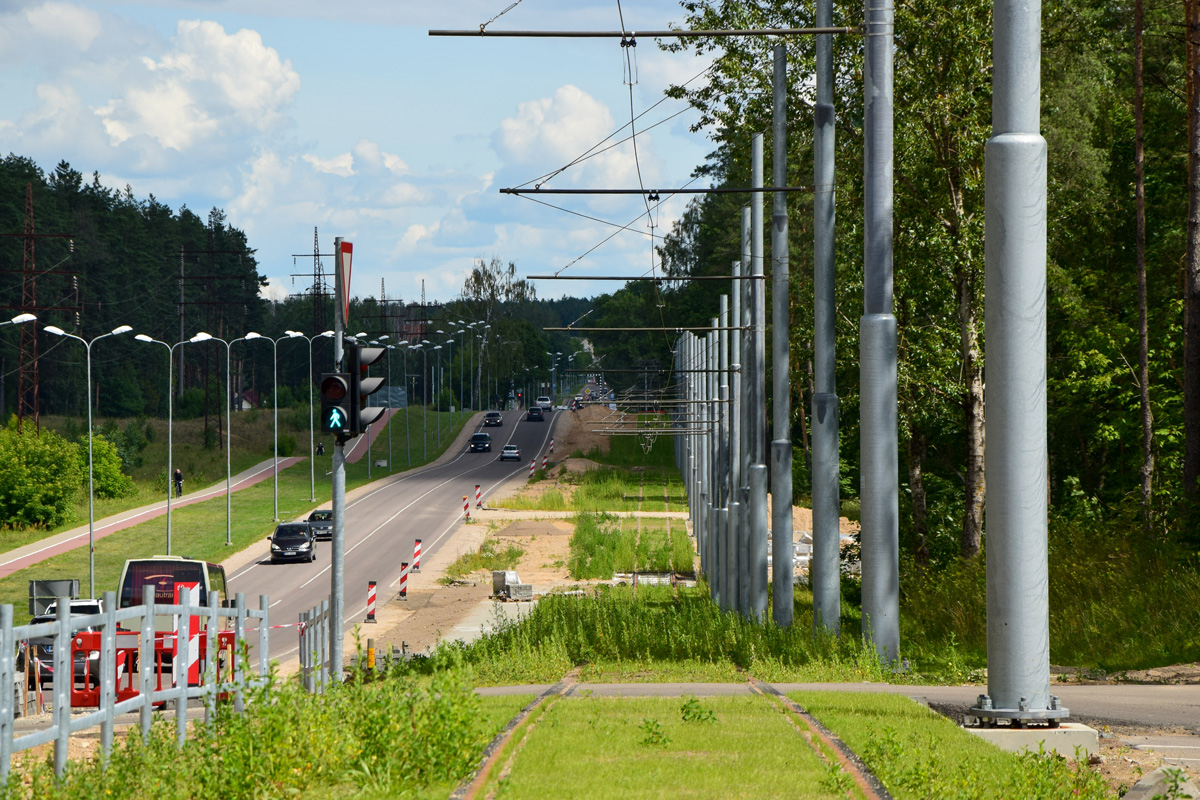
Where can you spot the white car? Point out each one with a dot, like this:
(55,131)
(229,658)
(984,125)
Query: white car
(510,452)
(545,404)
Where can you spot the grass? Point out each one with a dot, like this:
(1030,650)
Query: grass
(389,737)
(918,753)
(199,530)
(488,557)
(603,545)
(619,490)
(550,500)
(654,747)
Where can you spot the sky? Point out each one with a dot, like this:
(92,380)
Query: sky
(349,118)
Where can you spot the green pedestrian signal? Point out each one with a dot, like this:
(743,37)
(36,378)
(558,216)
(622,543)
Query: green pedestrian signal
(335,404)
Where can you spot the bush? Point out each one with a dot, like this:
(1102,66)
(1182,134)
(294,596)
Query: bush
(287,445)
(109,480)
(40,477)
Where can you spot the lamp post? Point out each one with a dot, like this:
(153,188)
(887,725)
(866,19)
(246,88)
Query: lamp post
(462,357)
(208,337)
(450,358)
(91,467)
(312,470)
(141,337)
(437,400)
(18,319)
(408,395)
(424,400)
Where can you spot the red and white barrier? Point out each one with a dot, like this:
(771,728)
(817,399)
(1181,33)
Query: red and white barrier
(551,445)
(466,508)
(187,594)
(403,580)
(478,497)
(532,466)
(416,565)
(370,601)
(545,461)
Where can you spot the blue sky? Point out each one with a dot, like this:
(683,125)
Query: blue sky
(350,118)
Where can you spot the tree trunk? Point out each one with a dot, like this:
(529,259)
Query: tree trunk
(916,486)
(1191,331)
(1139,168)
(974,483)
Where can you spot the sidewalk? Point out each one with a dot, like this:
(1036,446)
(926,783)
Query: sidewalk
(42,549)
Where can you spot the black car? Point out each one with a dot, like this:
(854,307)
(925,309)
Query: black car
(481,442)
(321,522)
(493,419)
(41,663)
(535,414)
(293,541)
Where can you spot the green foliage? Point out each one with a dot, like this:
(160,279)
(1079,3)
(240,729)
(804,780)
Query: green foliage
(388,736)
(604,544)
(287,445)
(692,711)
(488,557)
(107,477)
(655,734)
(40,477)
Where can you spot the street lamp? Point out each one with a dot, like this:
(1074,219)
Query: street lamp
(91,469)
(408,402)
(312,470)
(208,337)
(141,337)
(437,399)
(450,358)
(19,319)
(275,401)
(424,403)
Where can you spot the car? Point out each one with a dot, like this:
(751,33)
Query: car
(41,649)
(493,419)
(510,451)
(321,522)
(293,541)
(79,607)
(481,442)
(535,414)
(545,404)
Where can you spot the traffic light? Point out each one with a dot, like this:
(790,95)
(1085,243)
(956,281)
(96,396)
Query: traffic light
(335,404)
(358,358)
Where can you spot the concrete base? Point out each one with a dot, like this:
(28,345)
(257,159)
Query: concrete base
(1062,740)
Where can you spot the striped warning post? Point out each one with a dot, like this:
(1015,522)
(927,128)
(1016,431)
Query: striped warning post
(416,565)
(545,461)
(466,508)
(551,445)
(532,466)
(478,497)
(403,580)
(370,601)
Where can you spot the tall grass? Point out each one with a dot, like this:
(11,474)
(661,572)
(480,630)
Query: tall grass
(603,545)
(1118,601)
(489,556)
(655,630)
(621,490)
(549,500)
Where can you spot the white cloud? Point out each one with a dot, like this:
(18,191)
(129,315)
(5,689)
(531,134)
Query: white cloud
(69,25)
(211,86)
(341,165)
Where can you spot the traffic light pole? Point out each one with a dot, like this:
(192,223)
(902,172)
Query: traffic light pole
(337,578)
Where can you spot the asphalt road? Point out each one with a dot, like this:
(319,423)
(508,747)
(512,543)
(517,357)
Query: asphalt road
(382,523)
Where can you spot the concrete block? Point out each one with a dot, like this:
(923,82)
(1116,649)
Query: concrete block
(1062,740)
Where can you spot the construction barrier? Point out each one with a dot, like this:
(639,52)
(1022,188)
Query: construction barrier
(532,466)
(478,497)
(466,508)
(416,563)
(403,580)
(551,445)
(370,601)
(545,461)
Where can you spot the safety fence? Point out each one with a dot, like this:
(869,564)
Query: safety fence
(120,661)
(314,648)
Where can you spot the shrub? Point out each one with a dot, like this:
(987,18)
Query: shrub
(40,476)
(107,476)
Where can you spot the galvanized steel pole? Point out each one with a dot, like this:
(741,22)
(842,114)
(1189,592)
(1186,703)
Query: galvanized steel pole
(758,400)
(880,509)
(825,564)
(781,401)
(744,290)
(723,447)
(337,577)
(1015,317)
(734,542)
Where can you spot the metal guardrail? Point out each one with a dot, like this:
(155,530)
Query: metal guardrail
(314,648)
(150,692)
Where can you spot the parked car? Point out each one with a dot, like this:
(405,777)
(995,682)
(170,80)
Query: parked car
(510,451)
(321,522)
(535,414)
(79,607)
(41,663)
(493,419)
(293,541)
(481,442)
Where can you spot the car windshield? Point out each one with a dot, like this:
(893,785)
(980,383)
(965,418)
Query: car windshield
(480,437)
(321,516)
(291,533)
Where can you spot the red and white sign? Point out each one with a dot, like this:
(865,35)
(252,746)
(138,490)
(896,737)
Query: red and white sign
(344,255)
(187,594)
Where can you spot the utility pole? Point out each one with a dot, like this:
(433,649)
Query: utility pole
(337,577)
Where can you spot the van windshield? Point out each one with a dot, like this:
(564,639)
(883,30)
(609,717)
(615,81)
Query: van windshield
(162,575)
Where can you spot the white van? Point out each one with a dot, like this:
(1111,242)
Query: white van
(162,572)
